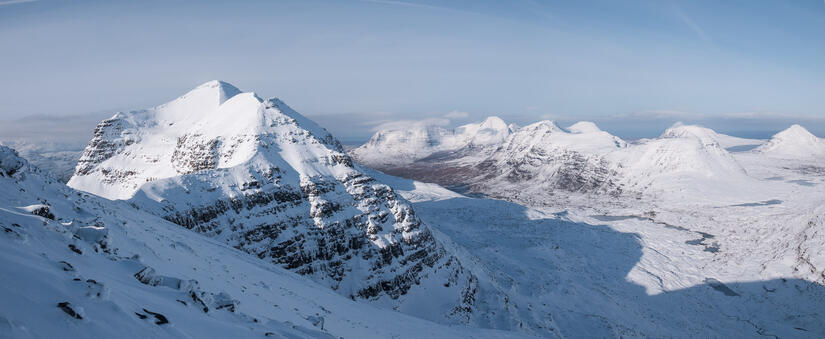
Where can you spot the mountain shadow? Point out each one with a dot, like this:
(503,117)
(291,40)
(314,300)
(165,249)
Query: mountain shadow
(574,276)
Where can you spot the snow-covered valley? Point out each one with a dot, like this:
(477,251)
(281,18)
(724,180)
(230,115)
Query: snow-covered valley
(674,236)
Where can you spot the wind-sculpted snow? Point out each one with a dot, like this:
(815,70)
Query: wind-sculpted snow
(73,265)
(262,178)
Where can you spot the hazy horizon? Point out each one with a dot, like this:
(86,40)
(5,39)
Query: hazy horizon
(742,68)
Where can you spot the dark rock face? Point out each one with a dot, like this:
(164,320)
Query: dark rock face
(160,319)
(194,154)
(75,249)
(10,161)
(327,229)
(43,211)
(105,143)
(65,306)
(571,171)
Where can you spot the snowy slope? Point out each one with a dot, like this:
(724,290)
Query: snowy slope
(795,142)
(77,266)
(260,177)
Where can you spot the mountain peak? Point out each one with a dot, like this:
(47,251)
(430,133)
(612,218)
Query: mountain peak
(213,93)
(494,122)
(222,86)
(795,142)
(584,127)
(680,130)
(795,131)
(549,125)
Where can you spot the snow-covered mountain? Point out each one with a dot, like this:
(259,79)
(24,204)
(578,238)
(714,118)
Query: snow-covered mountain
(682,157)
(260,177)
(408,143)
(708,135)
(544,156)
(542,159)
(73,265)
(794,142)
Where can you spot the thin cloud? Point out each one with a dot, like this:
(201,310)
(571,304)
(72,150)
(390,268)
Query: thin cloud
(419,5)
(692,25)
(12,2)
(406,124)
(456,115)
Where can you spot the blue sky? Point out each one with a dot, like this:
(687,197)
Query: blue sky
(635,66)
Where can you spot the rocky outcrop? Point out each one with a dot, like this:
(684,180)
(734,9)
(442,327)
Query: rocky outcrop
(10,161)
(108,139)
(194,153)
(570,171)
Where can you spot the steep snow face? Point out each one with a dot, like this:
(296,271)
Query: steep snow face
(411,143)
(259,176)
(73,265)
(794,142)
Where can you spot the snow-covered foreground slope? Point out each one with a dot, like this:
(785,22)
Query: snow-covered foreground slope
(73,265)
(260,177)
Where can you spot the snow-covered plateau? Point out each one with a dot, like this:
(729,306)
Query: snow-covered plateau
(223,214)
